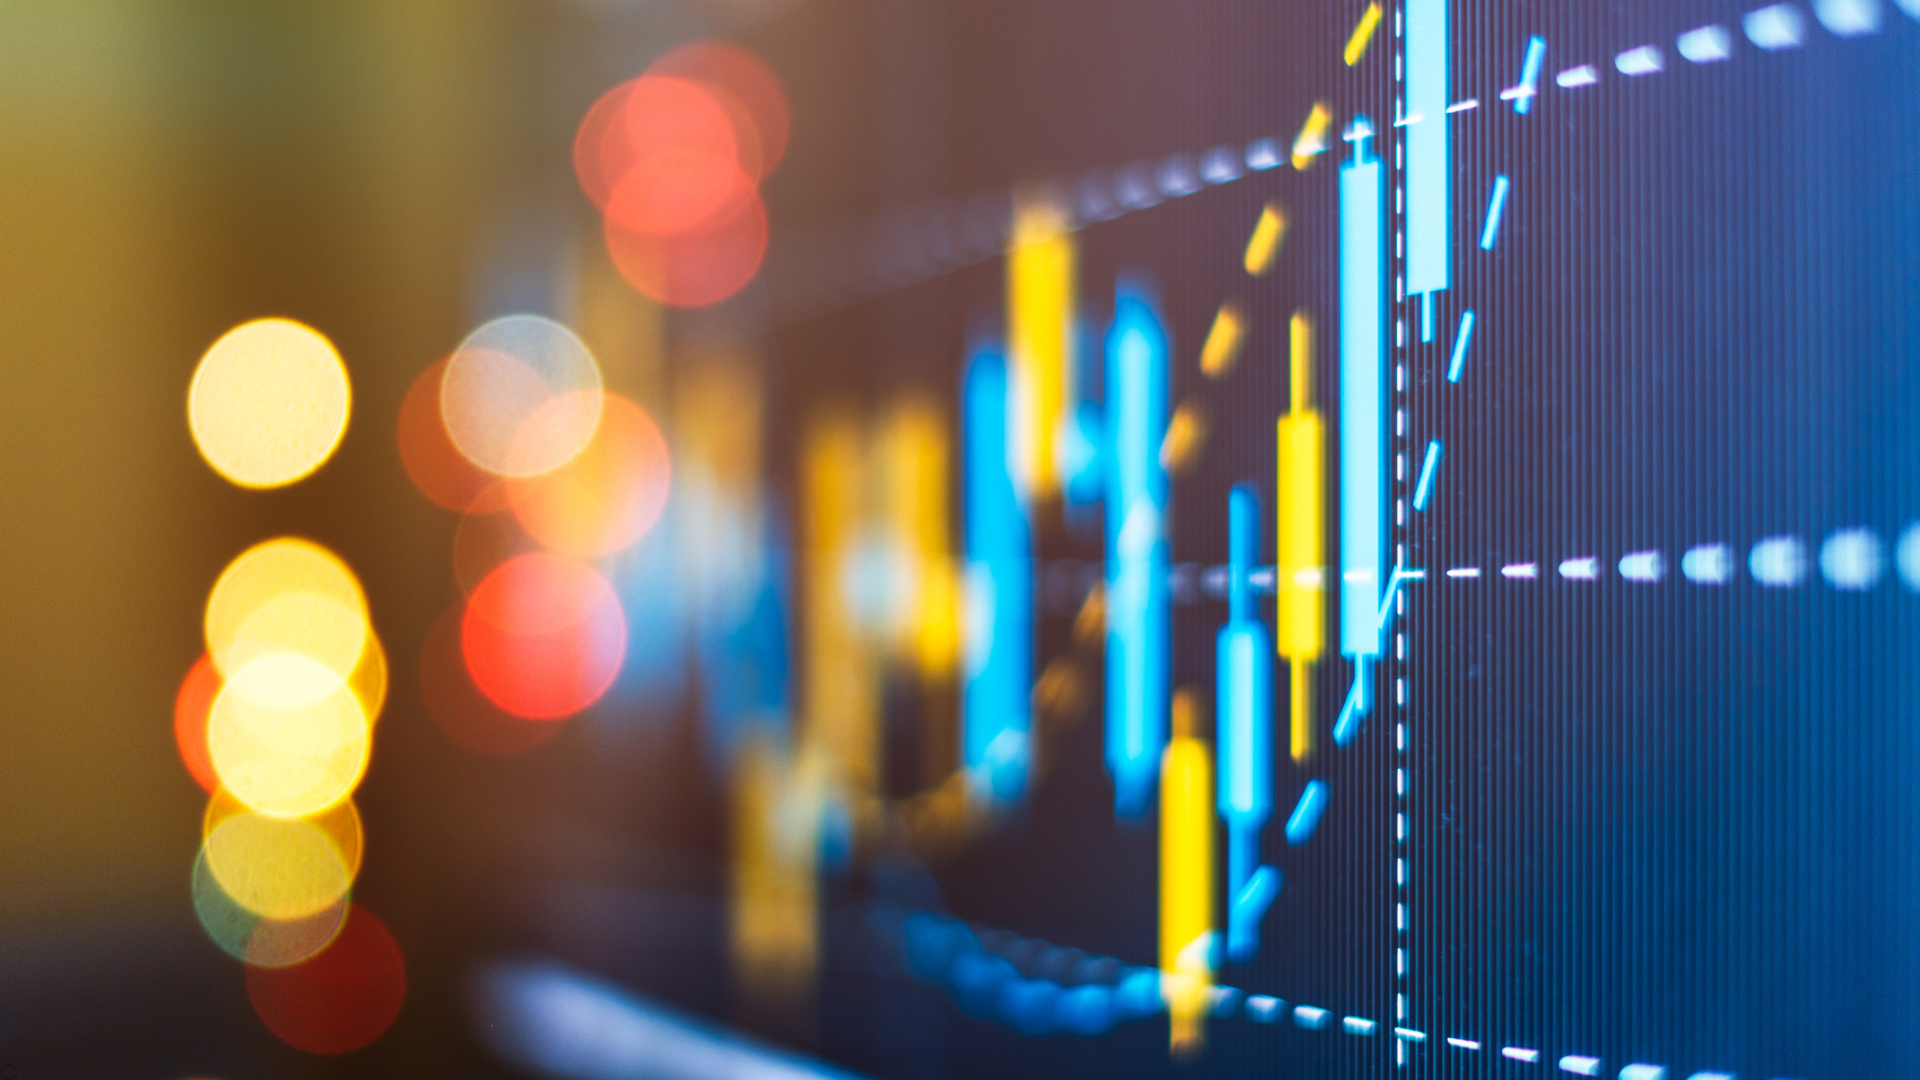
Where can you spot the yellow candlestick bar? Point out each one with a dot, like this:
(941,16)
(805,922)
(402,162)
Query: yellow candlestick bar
(774,920)
(1040,286)
(1186,878)
(1300,626)
(840,686)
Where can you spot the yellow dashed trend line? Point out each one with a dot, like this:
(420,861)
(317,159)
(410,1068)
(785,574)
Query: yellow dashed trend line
(1312,139)
(1222,348)
(1265,242)
(1362,34)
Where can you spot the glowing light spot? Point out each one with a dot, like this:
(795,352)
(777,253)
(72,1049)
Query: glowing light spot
(503,377)
(432,462)
(608,496)
(277,868)
(270,572)
(695,268)
(543,636)
(269,402)
(287,736)
(247,936)
(343,998)
(458,708)
(190,708)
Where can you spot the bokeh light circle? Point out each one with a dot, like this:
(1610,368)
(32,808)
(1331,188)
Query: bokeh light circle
(277,868)
(287,736)
(432,462)
(249,937)
(191,707)
(495,392)
(269,572)
(543,636)
(269,403)
(341,999)
(608,496)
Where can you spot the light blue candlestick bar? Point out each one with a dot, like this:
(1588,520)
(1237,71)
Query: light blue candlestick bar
(998,688)
(1429,172)
(1363,399)
(1138,599)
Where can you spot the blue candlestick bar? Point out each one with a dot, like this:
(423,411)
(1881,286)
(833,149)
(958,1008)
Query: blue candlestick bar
(1244,677)
(1363,400)
(998,665)
(1139,631)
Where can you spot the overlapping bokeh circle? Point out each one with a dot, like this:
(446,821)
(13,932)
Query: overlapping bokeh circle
(673,159)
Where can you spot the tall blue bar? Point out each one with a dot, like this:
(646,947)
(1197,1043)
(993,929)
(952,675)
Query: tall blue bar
(1429,186)
(1244,689)
(1363,398)
(996,709)
(1138,602)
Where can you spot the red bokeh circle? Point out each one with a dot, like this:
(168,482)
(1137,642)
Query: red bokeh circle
(543,636)
(699,267)
(343,998)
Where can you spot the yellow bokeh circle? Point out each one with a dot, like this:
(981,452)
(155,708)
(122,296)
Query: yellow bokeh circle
(340,822)
(277,868)
(287,595)
(288,736)
(269,403)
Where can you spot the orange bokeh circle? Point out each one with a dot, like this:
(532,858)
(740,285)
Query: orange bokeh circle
(543,636)
(608,496)
(191,706)
(437,467)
